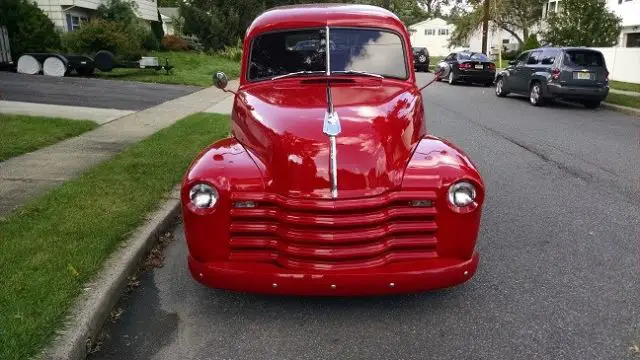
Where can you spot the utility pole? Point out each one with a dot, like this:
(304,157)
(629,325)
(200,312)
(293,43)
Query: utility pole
(485,26)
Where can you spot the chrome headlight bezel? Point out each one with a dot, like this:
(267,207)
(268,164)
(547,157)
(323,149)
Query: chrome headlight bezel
(203,196)
(462,194)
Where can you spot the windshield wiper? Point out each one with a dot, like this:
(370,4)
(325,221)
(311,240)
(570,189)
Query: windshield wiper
(296,73)
(356,72)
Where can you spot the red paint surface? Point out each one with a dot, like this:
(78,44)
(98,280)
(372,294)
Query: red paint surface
(298,237)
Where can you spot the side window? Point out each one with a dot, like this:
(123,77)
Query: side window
(451,56)
(535,58)
(549,56)
(522,58)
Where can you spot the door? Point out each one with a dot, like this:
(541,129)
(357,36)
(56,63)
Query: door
(517,74)
(447,64)
(533,65)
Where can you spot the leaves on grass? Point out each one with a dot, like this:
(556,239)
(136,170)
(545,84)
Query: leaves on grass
(72,270)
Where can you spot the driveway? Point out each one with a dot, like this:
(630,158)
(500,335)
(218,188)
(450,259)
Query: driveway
(88,92)
(558,276)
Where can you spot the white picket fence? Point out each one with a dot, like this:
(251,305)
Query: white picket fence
(623,63)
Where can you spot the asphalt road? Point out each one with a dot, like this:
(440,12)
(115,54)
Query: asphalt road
(558,278)
(89,92)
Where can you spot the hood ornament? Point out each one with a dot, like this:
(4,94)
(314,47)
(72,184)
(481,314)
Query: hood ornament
(331,126)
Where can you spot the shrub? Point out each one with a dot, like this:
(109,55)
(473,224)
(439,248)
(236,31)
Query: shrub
(30,30)
(530,43)
(194,43)
(101,34)
(233,53)
(149,41)
(175,43)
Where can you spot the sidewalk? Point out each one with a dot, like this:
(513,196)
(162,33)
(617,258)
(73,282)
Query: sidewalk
(29,175)
(623,92)
(98,115)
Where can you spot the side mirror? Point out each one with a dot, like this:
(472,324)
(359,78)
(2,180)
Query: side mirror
(220,80)
(513,62)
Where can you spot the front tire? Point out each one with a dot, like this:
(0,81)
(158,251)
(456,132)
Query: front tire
(591,104)
(451,79)
(535,94)
(500,92)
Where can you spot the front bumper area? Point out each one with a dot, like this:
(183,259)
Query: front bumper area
(395,278)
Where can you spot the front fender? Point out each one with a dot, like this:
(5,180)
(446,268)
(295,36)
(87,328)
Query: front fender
(228,167)
(437,164)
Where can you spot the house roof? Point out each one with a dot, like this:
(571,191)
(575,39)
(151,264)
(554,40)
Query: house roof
(443,21)
(171,12)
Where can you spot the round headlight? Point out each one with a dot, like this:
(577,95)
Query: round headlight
(462,194)
(203,196)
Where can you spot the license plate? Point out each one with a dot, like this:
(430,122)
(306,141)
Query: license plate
(479,67)
(582,76)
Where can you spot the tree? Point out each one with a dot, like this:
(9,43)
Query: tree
(220,23)
(514,16)
(30,29)
(530,43)
(156,28)
(119,11)
(583,23)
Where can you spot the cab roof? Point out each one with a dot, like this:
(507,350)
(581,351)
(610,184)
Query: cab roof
(320,15)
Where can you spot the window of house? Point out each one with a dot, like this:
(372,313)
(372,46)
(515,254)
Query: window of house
(633,40)
(443,32)
(429,32)
(74,21)
(552,7)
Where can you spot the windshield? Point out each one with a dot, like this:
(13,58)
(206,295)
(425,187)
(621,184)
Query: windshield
(473,56)
(357,50)
(583,58)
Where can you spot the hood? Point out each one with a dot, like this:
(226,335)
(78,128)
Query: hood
(281,125)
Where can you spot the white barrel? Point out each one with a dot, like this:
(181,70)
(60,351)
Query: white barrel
(54,66)
(27,64)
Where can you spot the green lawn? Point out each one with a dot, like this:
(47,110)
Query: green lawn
(624,100)
(191,68)
(21,134)
(50,248)
(619,85)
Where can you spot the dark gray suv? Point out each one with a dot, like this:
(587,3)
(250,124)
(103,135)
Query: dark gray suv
(575,74)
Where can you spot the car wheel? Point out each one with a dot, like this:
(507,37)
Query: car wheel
(535,94)
(422,58)
(591,104)
(451,79)
(500,92)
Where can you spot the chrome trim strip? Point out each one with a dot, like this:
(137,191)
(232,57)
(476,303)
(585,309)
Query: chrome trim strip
(327,50)
(333,167)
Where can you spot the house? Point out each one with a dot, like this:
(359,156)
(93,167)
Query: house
(169,16)
(628,10)
(496,37)
(68,15)
(432,34)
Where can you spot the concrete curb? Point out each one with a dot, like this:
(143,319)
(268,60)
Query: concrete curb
(93,307)
(623,109)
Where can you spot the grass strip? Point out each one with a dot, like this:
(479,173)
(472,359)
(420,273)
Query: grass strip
(191,68)
(621,85)
(54,245)
(624,100)
(21,134)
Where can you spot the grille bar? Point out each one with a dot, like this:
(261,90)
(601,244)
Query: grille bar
(309,234)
